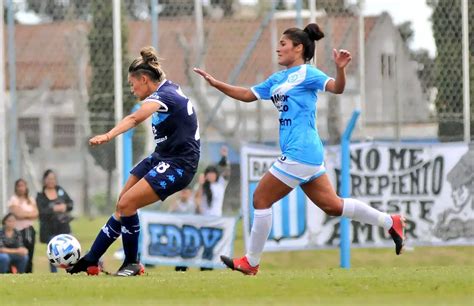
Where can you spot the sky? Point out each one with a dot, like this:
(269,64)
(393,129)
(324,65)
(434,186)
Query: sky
(415,11)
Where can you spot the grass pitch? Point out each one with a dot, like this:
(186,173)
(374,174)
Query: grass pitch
(424,276)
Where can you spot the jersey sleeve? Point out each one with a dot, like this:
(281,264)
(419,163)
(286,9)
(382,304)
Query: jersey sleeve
(156,98)
(317,80)
(263,90)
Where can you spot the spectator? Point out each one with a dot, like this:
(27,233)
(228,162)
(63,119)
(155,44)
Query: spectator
(54,205)
(211,190)
(13,255)
(212,185)
(23,206)
(184,205)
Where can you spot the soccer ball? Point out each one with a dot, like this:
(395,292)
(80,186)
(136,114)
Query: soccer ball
(63,251)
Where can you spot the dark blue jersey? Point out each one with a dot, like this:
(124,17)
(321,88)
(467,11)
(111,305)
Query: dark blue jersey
(175,126)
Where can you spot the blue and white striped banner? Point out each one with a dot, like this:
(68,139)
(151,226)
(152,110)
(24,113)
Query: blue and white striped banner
(289,214)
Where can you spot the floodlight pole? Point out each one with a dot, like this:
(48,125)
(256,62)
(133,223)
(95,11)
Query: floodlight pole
(345,241)
(465,72)
(118,96)
(3,127)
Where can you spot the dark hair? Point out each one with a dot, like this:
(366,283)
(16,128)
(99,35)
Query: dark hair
(207,185)
(4,220)
(46,173)
(306,37)
(147,63)
(18,181)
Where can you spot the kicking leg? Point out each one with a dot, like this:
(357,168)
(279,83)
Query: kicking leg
(106,236)
(321,192)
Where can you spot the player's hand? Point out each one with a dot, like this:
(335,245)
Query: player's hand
(209,78)
(99,139)
(341,57)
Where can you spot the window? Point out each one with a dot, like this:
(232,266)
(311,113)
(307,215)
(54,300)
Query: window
(64,132)
(30,128)
(387,65)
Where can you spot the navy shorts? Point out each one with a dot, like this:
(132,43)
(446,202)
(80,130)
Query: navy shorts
(165,176)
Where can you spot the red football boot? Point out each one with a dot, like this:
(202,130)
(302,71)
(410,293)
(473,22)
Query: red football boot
(398,232)
(240,264)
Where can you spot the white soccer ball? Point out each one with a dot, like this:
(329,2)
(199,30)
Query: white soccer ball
(63,250)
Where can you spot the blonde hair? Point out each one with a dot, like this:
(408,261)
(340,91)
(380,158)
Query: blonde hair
(148,63)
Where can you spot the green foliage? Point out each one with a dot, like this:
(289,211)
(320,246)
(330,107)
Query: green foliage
(99,201)
(447,31)
(101,103)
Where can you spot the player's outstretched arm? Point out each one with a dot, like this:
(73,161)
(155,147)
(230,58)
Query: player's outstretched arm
(240,93)
(131,121)
(341,58)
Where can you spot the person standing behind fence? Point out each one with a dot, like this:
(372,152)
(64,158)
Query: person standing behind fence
(13,255)
(24,208)
(185,203)
(212,185)
(294,92)
(54,205)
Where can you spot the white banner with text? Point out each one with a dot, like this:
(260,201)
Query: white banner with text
(185,240)
(431,184)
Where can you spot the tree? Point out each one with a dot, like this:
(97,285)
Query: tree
(101,93)
(60,10)
(447,31)
(422,57)
(406,31)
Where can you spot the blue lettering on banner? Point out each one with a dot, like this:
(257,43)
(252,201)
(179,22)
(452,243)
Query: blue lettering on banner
(168,240)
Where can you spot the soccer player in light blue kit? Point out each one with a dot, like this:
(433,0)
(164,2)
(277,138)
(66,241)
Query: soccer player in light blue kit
(293,91)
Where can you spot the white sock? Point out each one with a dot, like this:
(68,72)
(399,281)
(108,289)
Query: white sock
(262,225)
(359,211)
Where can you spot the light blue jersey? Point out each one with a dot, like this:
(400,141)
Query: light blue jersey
(294,94)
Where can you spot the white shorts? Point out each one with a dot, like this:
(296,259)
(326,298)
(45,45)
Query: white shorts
(293,173)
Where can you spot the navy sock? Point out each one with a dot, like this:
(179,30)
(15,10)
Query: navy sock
(107,235)
(130,235)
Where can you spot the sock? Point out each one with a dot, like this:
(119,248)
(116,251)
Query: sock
(262,225)
(130,235)
(107,235)
(359,211)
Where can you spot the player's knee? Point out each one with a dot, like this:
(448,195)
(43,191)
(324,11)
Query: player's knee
(124,205)
(332,207)
(259,201)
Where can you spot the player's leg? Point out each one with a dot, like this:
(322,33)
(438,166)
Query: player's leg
(140,195)
(165,179)
(270,189)
(321,192)
(106,236)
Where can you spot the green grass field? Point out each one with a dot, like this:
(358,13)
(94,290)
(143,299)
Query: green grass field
(424,276)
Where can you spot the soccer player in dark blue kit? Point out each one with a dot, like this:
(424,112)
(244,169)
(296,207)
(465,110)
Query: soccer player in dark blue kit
(167,170)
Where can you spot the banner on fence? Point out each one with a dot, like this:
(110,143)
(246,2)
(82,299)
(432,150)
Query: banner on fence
(185,240)
(431,184)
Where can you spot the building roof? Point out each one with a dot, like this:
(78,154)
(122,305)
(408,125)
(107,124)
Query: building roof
(47,54)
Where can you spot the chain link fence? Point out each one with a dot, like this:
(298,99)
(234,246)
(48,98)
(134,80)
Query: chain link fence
(65,91)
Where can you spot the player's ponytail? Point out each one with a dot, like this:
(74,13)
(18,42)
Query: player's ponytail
(148,63)
(306,37)
(313,31)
